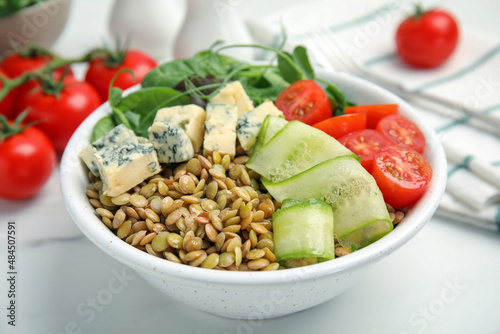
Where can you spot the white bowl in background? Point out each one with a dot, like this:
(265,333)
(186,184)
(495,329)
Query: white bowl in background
(39,24)
(255,295)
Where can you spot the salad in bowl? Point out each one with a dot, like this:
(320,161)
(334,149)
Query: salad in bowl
(218,176)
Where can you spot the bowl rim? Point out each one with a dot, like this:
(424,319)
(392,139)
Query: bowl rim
(85,218)
(32,9)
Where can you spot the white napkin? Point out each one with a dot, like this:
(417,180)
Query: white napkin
(471,77)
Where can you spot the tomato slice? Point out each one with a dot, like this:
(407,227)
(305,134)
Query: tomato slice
(342,125)
(305,101)
(402,175)
(402,131)
(365,143)
(374,112)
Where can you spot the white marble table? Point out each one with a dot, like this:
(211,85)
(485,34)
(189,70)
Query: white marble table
(445,280)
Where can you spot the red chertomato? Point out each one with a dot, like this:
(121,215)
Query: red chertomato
(427,39)
(7,103)
(16,65)
(402,175)
(342,125)
(59,113)
(365,143)
(101,71)
(27,160)
(402,131)
(374,112)
(305,101)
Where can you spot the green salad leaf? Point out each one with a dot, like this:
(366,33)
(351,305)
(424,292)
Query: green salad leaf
(190,80)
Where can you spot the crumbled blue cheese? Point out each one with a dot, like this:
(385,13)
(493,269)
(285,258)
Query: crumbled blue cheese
(119,135)
(87,155)
(220,129)
(234,94)
(249,124)
(171,142)
(126,166)
(190,118)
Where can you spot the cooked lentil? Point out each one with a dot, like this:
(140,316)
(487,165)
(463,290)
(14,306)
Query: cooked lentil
(208,212)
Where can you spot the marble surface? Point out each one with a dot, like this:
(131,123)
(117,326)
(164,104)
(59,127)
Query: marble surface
(445,280)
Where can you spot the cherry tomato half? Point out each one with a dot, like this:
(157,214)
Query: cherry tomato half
(100,72)
(374,112)
(402,131)
(305,101)
(27,160)
(365,143)
(402,175)
(339,126)
(427,39)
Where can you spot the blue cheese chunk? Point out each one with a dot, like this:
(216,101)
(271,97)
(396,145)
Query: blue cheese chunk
(220,129)
(249,124)
(189,117)
(126,166)
(119,135)
(234,93)
(171,142)
(87,155)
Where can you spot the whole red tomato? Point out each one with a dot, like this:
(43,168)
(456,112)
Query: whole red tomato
(427,39)
(16,64)
(102,70)
(27,160)
(60,107)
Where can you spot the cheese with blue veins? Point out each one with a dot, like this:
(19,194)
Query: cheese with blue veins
(117,136)
(220,129)
(114,138)
(249,124)
(126,166)
(171,142)
(234,93)
(189,117)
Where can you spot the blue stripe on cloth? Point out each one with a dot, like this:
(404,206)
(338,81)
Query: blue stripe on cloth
(464,165)
(455,169)
(357,21)
(452,124)
(380,59)
(483,59)
(363,19)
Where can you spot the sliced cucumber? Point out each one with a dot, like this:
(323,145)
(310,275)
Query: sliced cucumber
(294,149)
(303,229)
(358,205)
(270,126)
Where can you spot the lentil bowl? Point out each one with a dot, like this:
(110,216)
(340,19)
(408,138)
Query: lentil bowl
(251,294)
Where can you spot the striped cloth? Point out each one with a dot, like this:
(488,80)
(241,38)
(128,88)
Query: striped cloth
(470,77)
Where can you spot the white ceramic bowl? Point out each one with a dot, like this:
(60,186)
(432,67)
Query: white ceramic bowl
(40,24)
(255,295)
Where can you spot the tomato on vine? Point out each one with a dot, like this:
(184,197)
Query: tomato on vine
(102,69)
(26,61)
(59,106)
